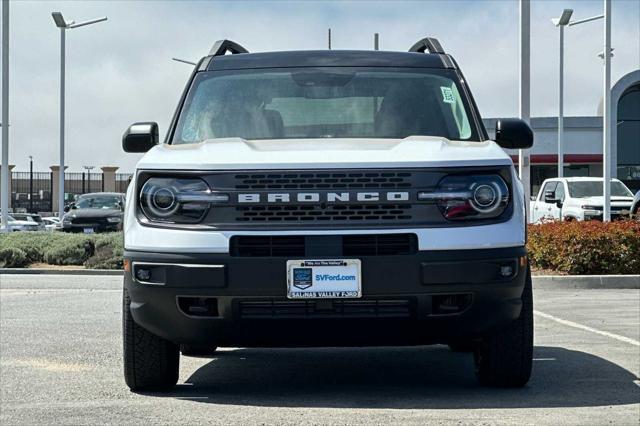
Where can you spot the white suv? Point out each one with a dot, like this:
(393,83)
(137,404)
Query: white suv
(323,198)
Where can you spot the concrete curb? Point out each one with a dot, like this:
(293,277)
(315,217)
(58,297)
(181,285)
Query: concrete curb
(42,271)
(547,282)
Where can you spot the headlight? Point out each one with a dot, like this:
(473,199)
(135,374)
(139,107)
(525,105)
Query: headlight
(588,207)
(462,197)
(114,219)
(177,200)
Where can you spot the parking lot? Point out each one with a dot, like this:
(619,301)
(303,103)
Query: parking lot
(61,363)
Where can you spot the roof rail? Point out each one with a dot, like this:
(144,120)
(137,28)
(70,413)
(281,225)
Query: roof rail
(221,47)
(428,43)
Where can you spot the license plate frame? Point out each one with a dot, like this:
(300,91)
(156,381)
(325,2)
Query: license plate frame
(324,279)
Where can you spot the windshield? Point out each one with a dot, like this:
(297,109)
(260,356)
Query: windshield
(594,189)
(328,102)
(98,202)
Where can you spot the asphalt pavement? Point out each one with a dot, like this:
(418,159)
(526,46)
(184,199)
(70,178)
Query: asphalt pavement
(60,363)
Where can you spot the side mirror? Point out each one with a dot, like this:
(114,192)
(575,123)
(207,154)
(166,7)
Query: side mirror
(140,137)
(69,207)
(549,197)
(513,133)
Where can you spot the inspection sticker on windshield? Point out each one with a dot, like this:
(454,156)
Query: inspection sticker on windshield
(447,95)
(323,279)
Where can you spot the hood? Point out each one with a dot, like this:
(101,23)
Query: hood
(599,201)
(22,223)
(237,153)
(76,213)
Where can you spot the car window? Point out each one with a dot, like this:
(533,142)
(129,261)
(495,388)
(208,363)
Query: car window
(99,202)
(593,188)
(325,102)
(549,186)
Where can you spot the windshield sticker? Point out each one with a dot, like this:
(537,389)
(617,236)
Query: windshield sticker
(447,95)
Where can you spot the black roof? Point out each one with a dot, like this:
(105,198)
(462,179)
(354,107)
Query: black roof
(327,58)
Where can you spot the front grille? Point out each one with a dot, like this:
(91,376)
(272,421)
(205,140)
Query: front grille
(297,309)
(320,213)
(334,245)
(314,180)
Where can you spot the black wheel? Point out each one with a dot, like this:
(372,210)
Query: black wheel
(461,347)
(197,350)
(504,359)
(150,362)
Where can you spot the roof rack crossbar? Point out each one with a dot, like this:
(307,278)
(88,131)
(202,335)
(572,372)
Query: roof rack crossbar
(430,44)
(221,47)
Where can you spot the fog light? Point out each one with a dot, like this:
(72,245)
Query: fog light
(143,274)
(506,271)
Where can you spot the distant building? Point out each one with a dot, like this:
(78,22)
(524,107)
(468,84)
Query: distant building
(583,140)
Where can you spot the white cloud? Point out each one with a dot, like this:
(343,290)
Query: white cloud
(121,71)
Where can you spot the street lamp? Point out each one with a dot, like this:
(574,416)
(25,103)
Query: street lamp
(561,22)
(31,184)
(65,25)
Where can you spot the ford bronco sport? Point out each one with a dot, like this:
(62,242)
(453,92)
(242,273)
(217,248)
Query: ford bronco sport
(326,198)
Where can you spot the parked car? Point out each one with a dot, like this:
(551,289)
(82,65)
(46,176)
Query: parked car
(30,217)
(52,223)
(14,225)
(635,206)
(579,198)
(96,212)
(322,198)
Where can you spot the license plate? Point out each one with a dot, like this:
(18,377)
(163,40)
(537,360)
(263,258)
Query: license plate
(88,230)
(323,279)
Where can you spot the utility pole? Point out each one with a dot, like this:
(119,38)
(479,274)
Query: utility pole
(524,160)
(376,41)
(606,116)
(329,38)
(88,169)
(5,190)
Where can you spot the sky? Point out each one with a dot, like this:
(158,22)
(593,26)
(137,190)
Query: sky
(120,71)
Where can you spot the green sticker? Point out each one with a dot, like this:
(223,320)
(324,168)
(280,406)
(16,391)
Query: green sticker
(447,95)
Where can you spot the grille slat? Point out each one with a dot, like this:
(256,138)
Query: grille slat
(324,180)
(298,309)
(307,212)
(346,245)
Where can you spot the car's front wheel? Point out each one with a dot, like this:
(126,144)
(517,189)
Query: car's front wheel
(150,362)
(505,358)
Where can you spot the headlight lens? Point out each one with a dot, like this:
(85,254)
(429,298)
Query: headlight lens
(114,219)
(461,197)
(177,200)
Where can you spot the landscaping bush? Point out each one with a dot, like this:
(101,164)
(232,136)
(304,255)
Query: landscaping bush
(12,258)
(101,251)
(586,247)
(109,251)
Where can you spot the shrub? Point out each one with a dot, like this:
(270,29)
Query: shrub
(72,250)
(109,251)
(586,247)
(11,257)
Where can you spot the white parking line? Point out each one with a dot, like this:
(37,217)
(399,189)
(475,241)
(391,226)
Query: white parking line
(585,328)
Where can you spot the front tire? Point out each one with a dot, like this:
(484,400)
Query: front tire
(150,362)
(505,358)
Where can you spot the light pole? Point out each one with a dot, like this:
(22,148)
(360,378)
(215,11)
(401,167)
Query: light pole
(524,159)
(606,115)
(5,190)
(88,169)
(561,22)
(31,184)
(65,25)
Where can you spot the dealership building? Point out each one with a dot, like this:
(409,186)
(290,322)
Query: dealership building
(583,140)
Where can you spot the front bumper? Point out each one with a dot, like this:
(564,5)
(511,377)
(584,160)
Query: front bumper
(400,304)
